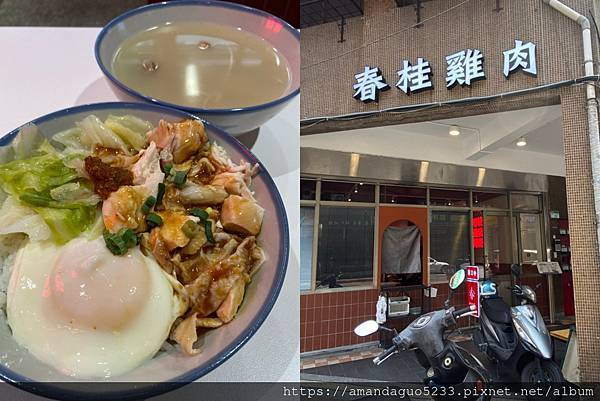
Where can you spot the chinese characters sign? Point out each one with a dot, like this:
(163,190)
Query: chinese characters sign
(473,288)
(462,68)
(368,84)
(521,56)
(414,78)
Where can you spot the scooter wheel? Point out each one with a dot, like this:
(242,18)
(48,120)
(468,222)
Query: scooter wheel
(547,374)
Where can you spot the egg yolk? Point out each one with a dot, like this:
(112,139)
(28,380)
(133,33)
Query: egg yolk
(96,290)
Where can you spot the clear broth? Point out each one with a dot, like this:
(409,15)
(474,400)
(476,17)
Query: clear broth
(202,65)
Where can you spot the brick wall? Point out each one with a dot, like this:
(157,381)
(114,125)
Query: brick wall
(328,67)
(584,245)
(327,320)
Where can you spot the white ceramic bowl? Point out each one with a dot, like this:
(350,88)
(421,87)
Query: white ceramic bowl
(167,370)
(277,32)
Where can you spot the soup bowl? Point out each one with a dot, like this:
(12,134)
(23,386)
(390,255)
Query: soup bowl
(274,31)
(169,368)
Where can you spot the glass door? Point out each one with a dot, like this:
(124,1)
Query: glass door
(500,250)
(530,241)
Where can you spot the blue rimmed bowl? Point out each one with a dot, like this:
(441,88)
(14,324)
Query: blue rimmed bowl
(275,31)
(167,370)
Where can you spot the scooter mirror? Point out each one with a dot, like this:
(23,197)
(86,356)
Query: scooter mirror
(366,328)
(457,279)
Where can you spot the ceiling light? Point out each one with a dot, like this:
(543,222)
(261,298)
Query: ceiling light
(454,131)
(521,142)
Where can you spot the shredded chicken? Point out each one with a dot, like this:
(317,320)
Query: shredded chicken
(230,305)
(209,322)
(240,215)
(194,194)
(208,270)
(184,139)
(146,171)
(185,334)
(235,184)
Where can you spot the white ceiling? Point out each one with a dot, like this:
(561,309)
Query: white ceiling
(486,140)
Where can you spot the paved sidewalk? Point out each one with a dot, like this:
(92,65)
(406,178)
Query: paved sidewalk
(402,367)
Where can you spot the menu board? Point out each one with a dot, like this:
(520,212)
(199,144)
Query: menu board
(549,268)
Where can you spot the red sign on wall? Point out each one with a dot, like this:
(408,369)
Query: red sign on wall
(477,231)
(473,288)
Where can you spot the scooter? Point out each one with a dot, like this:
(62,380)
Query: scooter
(450,368)
(516,338)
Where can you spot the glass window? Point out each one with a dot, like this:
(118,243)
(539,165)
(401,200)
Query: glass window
(495,200)
(450,243)
(345,243)
(531,240)
(307,223)
(525,201)
(444,197)
(347,191)
(402,195)
(308,189)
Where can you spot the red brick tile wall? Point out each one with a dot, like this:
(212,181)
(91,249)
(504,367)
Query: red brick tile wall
(327,320)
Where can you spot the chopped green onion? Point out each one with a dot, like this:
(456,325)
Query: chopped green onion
(201,214)
(208,231)
(161,193)
(179,179)
(128,236)
(154,220)
(114,243)
(167,168)
(190,229)
(148,204)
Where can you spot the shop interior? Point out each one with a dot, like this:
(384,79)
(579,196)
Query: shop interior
(485,190)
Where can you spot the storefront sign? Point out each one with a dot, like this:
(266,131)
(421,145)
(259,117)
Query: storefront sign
(462,68)
(473,288)
(478,242)
(414,78)
(368,85)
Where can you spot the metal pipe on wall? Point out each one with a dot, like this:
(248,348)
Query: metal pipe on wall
(592,103)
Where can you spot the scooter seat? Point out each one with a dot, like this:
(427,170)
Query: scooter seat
(497,310)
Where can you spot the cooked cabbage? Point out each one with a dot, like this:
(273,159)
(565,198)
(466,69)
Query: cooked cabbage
(15,217)
(130,129)
(35,179)
(66,224)
(75,193)
(38,173)
(94,132)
